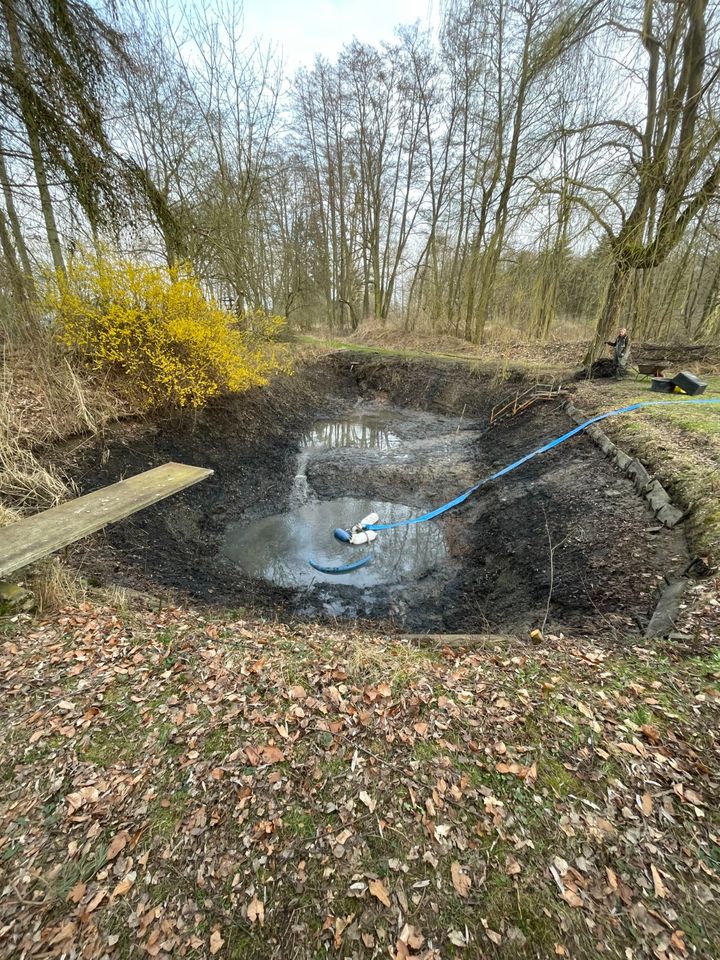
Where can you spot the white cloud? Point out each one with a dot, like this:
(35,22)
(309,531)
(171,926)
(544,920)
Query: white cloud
(301,29)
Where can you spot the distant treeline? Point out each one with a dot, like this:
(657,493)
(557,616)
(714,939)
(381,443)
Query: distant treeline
(537,161)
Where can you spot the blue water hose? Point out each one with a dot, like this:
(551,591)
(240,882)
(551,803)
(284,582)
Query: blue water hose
(336,570)
(461,498)
(530,456)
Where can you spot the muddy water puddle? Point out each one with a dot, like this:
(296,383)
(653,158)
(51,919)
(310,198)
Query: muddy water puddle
(278,548)
(365,430)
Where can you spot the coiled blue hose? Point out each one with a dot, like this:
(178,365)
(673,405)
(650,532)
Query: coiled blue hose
(345,569)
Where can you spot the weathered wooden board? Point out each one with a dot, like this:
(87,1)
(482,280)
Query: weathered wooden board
(34,537)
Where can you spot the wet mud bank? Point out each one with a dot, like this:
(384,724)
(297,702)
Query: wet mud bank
(564,537)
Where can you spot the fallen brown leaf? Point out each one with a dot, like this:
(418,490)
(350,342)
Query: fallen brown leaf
(569,896)
(125,884)
(660,889)
(117,844)
(96,901)
(651,732)
(411,936)
(256,911)
(369,801)
(77,892)
(64,933)
(646,804)
(678,941)
(517,770)
(216,942)
(461,880)
(378,890)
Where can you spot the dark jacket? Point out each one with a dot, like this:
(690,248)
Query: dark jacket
(621,346)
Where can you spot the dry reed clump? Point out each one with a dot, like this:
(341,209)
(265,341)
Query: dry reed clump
(25,484)
(55,585)
(47,400)
(38,403)
(7,515)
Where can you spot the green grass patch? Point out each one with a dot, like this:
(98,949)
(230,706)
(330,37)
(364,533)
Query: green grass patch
(680,443)
(117,737)
(166,813)
(81,870)
(299,823)
(557,780)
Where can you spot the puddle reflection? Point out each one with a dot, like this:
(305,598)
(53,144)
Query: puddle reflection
(277,548)
(364,430)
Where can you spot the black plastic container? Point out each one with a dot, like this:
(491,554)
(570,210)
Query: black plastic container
(689,383)
(661,385)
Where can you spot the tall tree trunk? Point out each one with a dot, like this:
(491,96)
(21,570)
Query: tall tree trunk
(34,139)
(710,306)
(14,225)
(15,274)
(612,309)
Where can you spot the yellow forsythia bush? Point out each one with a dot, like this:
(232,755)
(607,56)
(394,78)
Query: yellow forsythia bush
(155,326)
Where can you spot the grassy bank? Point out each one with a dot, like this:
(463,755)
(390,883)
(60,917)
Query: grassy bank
(189,786)
(538,361)
(681,444)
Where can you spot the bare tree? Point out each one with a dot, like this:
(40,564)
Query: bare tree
(672,163)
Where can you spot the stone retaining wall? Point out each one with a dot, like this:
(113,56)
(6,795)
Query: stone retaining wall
(648,487)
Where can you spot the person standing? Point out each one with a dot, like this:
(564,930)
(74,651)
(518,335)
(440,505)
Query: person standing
(621,353)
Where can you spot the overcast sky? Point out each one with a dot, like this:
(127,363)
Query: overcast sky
(304,28)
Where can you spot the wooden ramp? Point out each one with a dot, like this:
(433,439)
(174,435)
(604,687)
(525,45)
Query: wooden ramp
(34,537)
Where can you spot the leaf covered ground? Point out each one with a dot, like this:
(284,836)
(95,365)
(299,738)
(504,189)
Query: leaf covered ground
(179,785)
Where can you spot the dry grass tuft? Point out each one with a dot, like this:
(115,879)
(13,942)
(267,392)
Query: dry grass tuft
(24,482)
(385,660)
(7,515)
(47,400)
(42,400)
(55,586)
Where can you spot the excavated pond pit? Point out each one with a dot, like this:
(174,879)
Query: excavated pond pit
(347,436)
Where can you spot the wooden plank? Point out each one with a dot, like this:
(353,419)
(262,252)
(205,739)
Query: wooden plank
(34,537)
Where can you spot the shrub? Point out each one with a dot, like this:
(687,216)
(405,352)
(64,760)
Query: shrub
(156,327)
